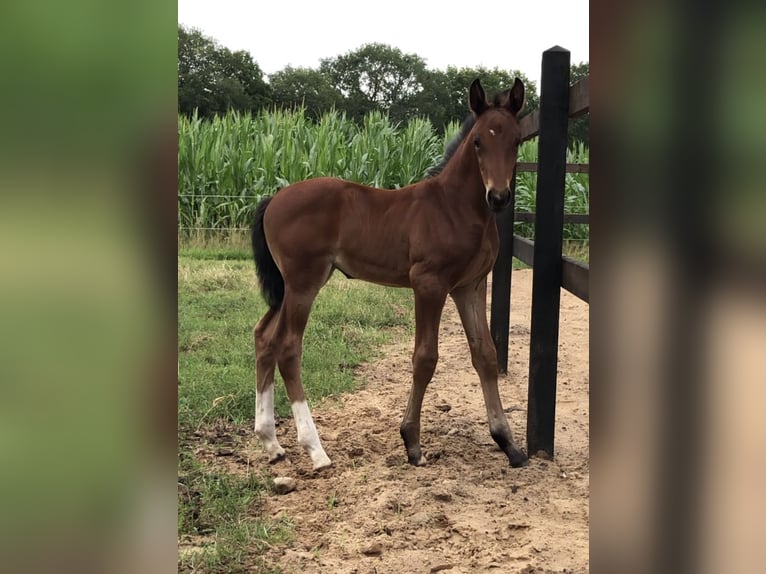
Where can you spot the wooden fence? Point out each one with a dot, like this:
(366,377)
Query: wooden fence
(551,271)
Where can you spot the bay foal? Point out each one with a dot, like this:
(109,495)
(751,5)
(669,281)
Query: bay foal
(437,236)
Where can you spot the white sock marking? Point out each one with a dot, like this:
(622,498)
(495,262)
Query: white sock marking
(264,422)
(307,434)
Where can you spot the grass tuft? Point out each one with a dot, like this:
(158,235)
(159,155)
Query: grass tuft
(219,519)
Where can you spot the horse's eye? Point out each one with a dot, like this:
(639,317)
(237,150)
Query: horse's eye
(476,142)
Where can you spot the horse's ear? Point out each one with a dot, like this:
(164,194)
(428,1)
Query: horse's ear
(515,97)
(477,100)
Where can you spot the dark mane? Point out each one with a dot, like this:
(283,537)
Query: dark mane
(452,146)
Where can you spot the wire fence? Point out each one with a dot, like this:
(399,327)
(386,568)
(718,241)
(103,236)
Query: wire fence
(524,225)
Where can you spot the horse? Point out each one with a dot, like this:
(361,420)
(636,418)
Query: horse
(437,236)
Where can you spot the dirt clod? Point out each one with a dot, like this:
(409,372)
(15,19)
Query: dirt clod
(284,484)
(442,495)
(374,549)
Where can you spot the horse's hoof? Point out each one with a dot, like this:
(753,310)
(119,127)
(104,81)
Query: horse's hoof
(520,463)
(418,460)
(519,459)
(321,464)
(276,457)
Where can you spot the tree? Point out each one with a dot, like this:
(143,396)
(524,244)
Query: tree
(448,91)
(213,79)
(239,67)
(579,128)
(376,76)
(195,76)
(295,87)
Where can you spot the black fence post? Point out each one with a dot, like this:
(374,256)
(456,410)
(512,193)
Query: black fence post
(546,279)
(500,310)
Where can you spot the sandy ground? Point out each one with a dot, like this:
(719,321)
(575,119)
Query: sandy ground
(467,510)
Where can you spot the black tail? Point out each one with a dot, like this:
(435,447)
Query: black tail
(272,284)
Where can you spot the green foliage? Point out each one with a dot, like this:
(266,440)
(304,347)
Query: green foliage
(213,79)
(304,88)
(227,164)
(417,150)
(379,77)
(576,191)
(579,128)
(447,91)
(376,77)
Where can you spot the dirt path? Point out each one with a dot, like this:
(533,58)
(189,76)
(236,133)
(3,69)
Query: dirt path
(467,511)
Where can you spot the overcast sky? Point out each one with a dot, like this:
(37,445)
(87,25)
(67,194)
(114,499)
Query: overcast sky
(505,34)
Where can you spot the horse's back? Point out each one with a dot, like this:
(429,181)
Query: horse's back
(326,200)
(362,231)
(376,235)
(311,194)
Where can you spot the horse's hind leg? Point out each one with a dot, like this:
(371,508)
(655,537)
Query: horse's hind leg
(289,348)
(471,303)
(264,391)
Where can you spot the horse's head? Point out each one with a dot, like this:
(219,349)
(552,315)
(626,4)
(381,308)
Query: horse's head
(495,137)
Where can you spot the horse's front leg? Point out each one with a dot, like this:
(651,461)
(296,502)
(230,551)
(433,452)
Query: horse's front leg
(429,303)
(471,303)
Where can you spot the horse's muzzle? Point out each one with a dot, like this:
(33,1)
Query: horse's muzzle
(498,200)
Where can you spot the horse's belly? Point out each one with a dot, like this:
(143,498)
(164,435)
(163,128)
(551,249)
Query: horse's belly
(380,272)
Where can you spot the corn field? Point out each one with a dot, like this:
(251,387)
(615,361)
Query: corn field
(227,164)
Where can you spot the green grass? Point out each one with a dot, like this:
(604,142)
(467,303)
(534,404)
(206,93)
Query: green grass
(221,252)
(577,249)
(221,510)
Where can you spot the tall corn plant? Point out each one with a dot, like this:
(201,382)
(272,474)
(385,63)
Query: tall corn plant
(370,159)
(418,148)
(576,191)
(328,148)
(226,164)
(451,131)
